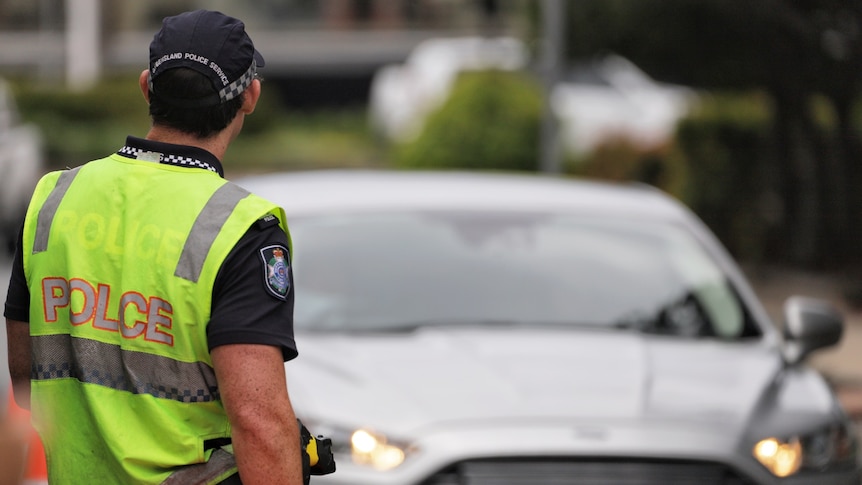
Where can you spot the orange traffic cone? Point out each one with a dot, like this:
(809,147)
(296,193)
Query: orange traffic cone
(36,472)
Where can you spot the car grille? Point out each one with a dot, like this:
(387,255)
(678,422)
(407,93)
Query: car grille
(584,472)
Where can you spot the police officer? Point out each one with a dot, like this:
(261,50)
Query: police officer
(150,311)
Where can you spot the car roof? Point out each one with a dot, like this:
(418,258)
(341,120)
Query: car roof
(338,191)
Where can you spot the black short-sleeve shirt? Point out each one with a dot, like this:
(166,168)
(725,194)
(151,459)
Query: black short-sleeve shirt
(248,305)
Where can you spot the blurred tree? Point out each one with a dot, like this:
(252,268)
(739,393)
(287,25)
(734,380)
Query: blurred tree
(489,122)
(794,50)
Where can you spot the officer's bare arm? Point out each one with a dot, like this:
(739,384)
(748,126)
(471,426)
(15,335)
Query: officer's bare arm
(265,435)
(18,344)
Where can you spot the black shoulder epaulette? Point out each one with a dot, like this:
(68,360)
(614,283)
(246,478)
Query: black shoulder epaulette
(267,221)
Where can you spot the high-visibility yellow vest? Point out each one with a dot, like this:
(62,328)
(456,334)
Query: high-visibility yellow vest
(120,257)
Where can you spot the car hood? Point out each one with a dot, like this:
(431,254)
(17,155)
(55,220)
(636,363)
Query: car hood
(403,382)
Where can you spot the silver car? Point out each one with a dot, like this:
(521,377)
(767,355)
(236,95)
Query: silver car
(499,329)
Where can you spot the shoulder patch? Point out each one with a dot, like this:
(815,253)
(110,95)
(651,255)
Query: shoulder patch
(267,221)
(276,274)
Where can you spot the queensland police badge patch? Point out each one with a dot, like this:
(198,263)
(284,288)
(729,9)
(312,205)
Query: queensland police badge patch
(276,262)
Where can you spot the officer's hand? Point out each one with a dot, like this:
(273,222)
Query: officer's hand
(317,458)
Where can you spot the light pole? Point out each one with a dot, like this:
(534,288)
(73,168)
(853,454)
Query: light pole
(83,46)
(551,64)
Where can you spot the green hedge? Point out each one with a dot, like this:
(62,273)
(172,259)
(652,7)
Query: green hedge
(82,126)
(715,165)
(726,145)
(491,120)
(621,160)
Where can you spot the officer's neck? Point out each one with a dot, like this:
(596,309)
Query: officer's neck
(216,144)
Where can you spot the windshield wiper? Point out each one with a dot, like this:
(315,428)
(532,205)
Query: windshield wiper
(682,317)
(639,322)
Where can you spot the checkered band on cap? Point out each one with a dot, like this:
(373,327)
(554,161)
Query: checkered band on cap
(236,88)
(227,93)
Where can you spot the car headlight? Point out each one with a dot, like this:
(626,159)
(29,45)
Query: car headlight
(363,446)
(374,449)
(816,451)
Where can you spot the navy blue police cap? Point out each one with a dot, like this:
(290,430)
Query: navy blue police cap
(211,43)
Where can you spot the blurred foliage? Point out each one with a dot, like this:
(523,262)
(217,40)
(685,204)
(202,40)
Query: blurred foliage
(719,44)
(771,163)
(805,57)
(619,159)
(716,165)
(305,140)
(82,126)
(725,144)
(490,121)
(112,98)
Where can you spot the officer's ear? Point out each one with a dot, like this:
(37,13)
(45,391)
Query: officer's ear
(144,83)
(250,97)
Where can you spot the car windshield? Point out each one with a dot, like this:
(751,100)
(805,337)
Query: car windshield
(407,270)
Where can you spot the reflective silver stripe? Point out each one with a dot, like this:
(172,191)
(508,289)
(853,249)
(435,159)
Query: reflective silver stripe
(205,229)
(94,362)
(220,466)
(49,210)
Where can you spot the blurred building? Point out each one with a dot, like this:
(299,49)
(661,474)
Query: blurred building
(317,51)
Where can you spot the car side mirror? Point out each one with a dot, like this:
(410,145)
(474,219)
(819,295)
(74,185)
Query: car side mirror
(810,324)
